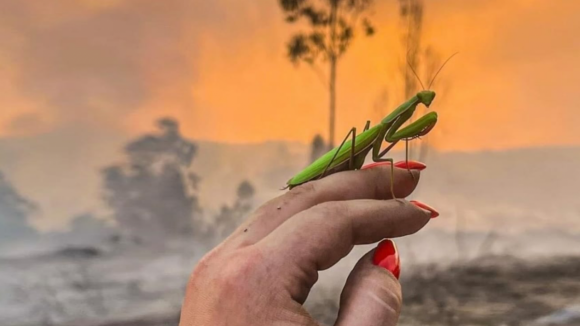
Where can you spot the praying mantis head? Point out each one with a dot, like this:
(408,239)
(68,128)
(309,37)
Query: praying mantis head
(426,97)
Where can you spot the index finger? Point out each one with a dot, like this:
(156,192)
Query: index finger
(349,185)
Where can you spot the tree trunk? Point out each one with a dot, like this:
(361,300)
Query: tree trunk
(411,12)
(332,81)
(332,115)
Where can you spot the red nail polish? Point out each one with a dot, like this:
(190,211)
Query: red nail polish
(412,165)
(419,204)
(372,165)
(387,257)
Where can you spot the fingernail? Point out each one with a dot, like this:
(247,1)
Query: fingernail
(411,165)
(434,213)
(372,165)
(387,257)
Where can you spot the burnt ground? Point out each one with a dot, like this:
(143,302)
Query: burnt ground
(492,291)
(502,291)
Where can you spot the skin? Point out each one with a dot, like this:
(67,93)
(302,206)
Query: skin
(263,272)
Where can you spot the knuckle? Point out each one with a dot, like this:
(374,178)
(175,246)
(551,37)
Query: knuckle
(332,209)
(205,262)
(379,181)
(241,262)
(333,217)
(228,271)
(202,270)
(236,270)
(389,292)
(408,181)
(393,298)
(306,189)
(381,286)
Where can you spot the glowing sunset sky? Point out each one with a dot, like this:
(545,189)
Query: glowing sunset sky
(220,68)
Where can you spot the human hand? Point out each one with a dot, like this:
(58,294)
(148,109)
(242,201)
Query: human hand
(263,272)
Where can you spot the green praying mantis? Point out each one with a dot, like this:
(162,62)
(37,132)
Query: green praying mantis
(351,154)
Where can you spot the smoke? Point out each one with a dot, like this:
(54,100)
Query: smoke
(220,68)
(80,78)
(87,64)
(78,72)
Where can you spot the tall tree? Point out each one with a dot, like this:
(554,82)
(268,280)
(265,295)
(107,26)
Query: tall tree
(424,59)
(411,14)
(332,28)
(153,194)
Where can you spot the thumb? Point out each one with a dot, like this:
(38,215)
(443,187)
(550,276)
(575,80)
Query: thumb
(372,294)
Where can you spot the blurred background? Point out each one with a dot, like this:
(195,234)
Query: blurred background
(136,135)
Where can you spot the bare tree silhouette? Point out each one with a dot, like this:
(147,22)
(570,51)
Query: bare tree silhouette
(332,28)
(14,212)
(153,194)
(424,58)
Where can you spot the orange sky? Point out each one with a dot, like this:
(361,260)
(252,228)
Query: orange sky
(219,66)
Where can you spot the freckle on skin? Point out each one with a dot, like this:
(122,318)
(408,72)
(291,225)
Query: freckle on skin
(245,230)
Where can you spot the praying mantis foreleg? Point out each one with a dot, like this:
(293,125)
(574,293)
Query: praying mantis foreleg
(352,164)
(414,130)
